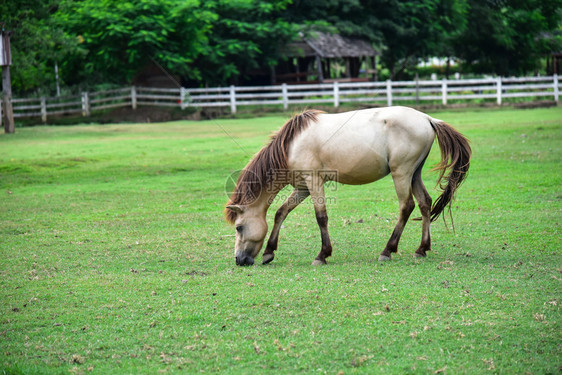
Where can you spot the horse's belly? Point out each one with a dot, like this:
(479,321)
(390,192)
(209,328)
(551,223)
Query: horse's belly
(357,167)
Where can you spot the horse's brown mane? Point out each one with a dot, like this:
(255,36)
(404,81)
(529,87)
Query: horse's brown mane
(271,159)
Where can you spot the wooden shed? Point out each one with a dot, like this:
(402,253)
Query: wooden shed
(324,57)
(554,63)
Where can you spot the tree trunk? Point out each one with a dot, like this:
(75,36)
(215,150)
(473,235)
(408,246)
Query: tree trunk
(8,112)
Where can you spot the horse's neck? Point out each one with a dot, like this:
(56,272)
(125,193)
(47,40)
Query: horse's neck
(266,198)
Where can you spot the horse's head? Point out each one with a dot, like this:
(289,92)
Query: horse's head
(251,229)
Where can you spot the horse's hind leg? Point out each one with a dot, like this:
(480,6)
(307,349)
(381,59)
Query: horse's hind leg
(424,201)
(296,197)
(402,184)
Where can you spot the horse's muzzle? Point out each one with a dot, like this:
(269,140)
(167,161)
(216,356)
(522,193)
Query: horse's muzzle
(244,260)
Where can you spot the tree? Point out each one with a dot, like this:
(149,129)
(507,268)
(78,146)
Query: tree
(219,42)
(346,17)
(211,41)
(246,35)
(416,29)
(507,37)
(36,43)
(121,38)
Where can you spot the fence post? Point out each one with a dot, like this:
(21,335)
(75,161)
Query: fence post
(417,89)
(182,98)
(133,97)
(285,96)
(444,91)
(232,99)
(499,90)
(336,94)
(9,125)
(43,109)
(556,92)
(85,104)
(388,92)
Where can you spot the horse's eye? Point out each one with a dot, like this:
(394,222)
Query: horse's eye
(239,229)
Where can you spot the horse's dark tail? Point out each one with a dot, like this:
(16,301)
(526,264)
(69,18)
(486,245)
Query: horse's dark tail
(453,168)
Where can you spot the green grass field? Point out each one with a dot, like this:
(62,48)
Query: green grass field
(115,258)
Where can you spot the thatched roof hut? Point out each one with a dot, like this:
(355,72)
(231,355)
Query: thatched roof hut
(326,51)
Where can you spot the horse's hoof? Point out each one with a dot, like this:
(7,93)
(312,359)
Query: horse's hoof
(418,255)
(267,258)
(383,258)
(318,262)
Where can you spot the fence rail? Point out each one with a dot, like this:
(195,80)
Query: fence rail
(335,93)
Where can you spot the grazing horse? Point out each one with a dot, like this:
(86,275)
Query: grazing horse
(354,148)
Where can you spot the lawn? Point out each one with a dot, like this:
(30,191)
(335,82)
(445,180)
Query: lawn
(115,258)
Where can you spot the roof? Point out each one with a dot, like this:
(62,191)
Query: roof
(329,46)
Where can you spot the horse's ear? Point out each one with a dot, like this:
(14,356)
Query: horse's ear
(236,208)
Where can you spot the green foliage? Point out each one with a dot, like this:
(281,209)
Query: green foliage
(210,41)
(348,17)
(246,35)
(123,37)
(36,43)
(115,259)
(219,42)
(414,30)
(509,37)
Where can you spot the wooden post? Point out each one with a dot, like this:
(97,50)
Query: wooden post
(285,96)
(499,90)
(444,91)
(43,109)
(85,104)
(232,99)
(388,92)
(6,61)
(375,72)
(134,97)
(417,89)
(336,94)
(183,97)
(319,67)
(556,91)
(9,126)
(57,78)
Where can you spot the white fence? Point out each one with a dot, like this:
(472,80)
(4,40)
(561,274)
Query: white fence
(498,90)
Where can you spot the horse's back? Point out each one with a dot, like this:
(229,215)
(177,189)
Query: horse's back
(363,146)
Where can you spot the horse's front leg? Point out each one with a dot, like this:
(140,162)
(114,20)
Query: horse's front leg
(296,197)
(319,201)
